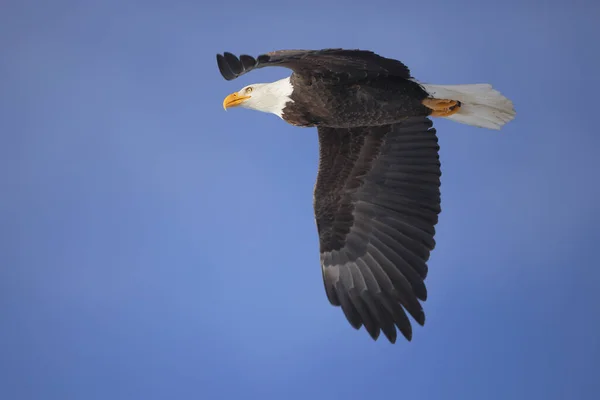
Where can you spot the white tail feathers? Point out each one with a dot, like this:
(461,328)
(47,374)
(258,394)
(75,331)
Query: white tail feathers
(481,105)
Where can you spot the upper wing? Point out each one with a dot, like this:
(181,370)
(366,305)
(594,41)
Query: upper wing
(377,200)
(350,64)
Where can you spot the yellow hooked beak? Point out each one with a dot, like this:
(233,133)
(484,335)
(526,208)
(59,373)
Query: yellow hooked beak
(233,100)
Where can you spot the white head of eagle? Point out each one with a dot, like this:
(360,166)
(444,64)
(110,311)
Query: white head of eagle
(266,97)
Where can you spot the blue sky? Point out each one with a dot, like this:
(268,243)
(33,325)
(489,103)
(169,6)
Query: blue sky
(153,246)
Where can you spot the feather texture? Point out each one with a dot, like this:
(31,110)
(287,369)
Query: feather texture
(482,105)
(341,63)
(376,229)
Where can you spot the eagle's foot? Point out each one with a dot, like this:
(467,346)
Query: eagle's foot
(442,107)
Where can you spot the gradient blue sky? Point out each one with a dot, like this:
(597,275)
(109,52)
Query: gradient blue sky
(153,246)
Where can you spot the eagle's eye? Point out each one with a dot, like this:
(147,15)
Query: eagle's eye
(249,89)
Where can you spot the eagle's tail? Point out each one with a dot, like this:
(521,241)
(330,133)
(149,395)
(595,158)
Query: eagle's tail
(480,104)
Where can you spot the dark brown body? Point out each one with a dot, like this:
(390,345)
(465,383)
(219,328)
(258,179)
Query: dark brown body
(370,102)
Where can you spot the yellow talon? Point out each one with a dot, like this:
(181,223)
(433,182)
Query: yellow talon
(442,107)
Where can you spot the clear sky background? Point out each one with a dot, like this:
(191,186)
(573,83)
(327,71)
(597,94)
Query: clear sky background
(153,246)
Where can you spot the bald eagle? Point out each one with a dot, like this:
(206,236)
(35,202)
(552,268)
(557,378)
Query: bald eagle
(377,192)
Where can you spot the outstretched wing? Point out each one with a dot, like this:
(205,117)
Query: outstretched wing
(349,64)
(376,201)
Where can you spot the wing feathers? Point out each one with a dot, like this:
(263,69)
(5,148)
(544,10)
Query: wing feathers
(370,318)
(334,63)
(248,63)
(377,202)
(399,248)
(400,318)
(234,64)
(348,308)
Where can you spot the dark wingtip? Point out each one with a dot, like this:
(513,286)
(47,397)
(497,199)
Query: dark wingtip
(234,63)
(224,67)
(406,330)
(248,62)
(421,318)
(374,332)
(420,290)
(232,66)
(391,334)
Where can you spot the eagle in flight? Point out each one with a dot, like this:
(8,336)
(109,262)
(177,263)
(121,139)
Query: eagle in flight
(377,192)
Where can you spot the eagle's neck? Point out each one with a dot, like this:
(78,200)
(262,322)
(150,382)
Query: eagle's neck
(276,96)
